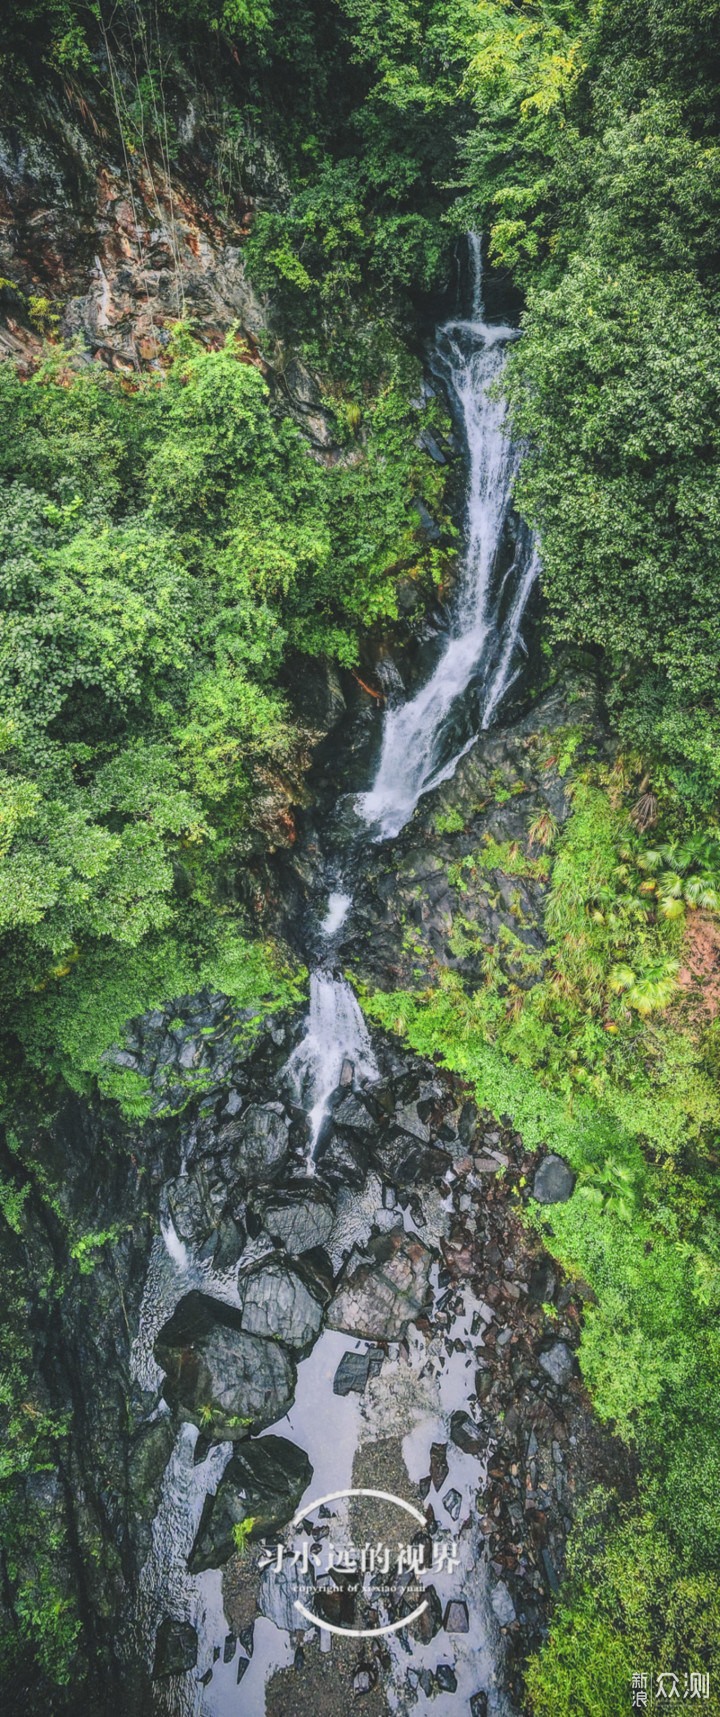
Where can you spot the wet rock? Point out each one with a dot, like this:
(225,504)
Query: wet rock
(465,1434)
(479,1705)
(364,1679)
(452,1501)
(554,1182)
(467,1124)
(278,1305)
(409,1121)
(352,1116)
(407,1161)
(430,1622)
(382,1295)
(542,1284)
(221,1377)
(456,1617)
(550,1571)
(502,1605)
(149,1455)
(264,1481)
(279,1593)
(176,1648)
(300,1220)
(446,1678)
(230,1245)
(243,1665)
(354,1370)
(344,1162)
(558,1363)
(431,529)
(195,1205)
(439,1468)
(260,1138)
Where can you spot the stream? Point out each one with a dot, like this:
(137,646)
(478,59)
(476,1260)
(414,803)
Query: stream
(387,1432)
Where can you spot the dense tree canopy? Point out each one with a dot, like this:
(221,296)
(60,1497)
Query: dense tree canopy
(163,548)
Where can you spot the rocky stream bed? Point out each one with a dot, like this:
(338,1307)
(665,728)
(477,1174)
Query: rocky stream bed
(268,1328)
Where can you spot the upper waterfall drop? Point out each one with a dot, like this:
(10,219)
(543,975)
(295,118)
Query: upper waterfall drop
(417,746)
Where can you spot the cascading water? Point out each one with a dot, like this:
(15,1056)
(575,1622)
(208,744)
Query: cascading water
(420,738)
(422,741)
(336,1036)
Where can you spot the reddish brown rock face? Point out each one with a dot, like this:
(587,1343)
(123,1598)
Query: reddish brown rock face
(380,1297)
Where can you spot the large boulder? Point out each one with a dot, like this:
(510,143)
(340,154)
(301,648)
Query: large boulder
(219,1375)
(264,1482)
(301,1220)
(176,1648)
(554,1182)
(383,1293)
(278,1304)
(558,1363)
(343,1161)
(260,1136)
(352,1116)
(196,1205)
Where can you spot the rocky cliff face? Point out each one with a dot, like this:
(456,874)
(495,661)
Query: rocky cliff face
(112,249)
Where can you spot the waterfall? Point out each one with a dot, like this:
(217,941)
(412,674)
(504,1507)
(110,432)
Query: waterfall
(420,738)
(336,1034)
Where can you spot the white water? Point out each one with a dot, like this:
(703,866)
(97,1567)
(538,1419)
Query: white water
(336,1031)
(414,756)
(338,907)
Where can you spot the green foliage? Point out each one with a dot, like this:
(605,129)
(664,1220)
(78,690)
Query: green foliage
(242,1532)
(622,484)
(146,606)
(625,1607)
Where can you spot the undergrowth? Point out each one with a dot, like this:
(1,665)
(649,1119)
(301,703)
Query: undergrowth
(608,1059)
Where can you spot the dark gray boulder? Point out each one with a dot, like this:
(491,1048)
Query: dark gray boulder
(278,1304)
(176,1648)
(260,1138)
(465,1434)
(342,1161)
(353,1117)
(409,1121)
(263,1481)
(381,1295)
(554,1182)
(224,1379)
(196,1205)
(354,1370)
(301,1220)
(230,1244)
(558,1363)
